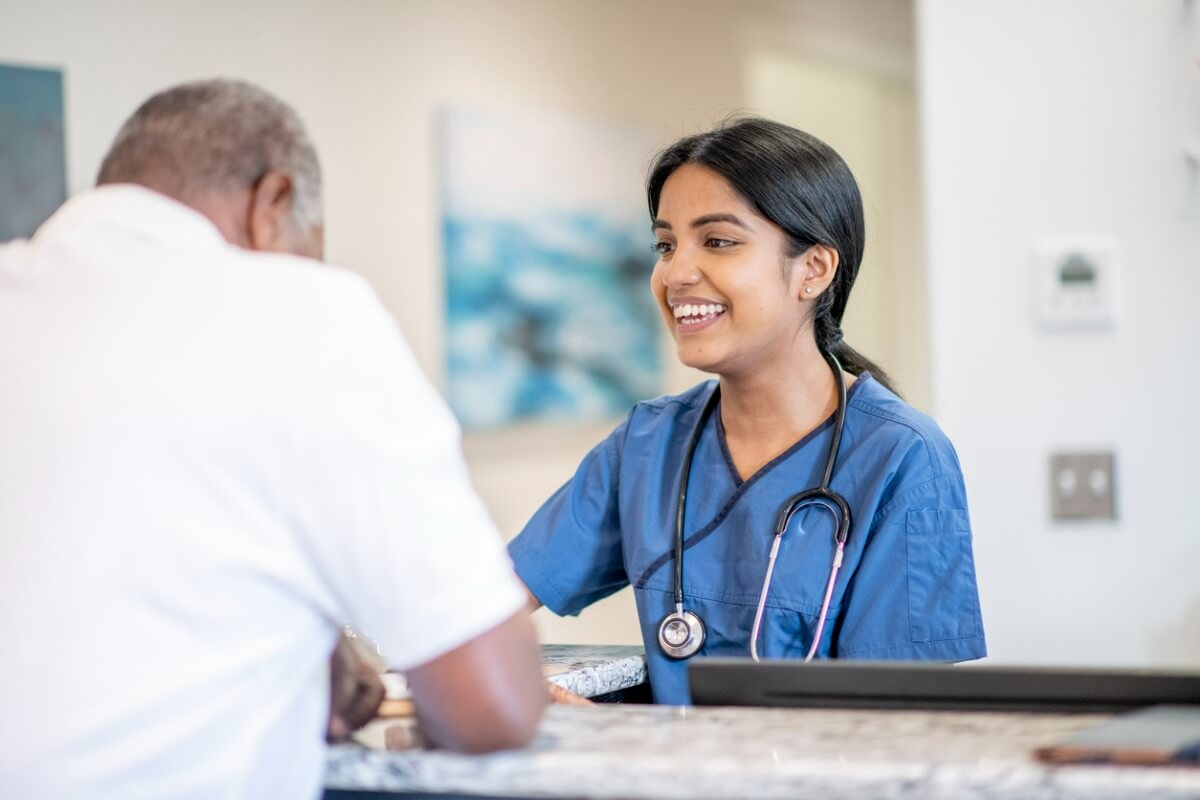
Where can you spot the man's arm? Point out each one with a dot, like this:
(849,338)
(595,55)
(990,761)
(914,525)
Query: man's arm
(487,694)
(416,562)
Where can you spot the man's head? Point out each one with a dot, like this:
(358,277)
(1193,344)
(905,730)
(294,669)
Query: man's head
(233,152)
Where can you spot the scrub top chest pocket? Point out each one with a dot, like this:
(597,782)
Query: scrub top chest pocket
(941,576)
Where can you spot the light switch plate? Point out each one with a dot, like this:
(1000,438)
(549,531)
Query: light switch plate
(1083,486)
(1077,282)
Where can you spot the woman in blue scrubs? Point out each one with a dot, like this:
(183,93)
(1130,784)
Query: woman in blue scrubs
(760,234)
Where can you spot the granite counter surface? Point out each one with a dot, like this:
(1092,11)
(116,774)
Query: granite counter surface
(594,670)
(671,753)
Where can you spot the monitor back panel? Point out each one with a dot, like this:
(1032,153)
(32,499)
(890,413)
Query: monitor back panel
(864,684)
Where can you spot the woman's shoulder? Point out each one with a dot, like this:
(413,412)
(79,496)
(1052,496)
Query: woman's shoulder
(677,404)
(881,417)
(660,416)
(663,416)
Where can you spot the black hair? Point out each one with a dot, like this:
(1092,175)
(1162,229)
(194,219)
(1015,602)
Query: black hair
(802,185)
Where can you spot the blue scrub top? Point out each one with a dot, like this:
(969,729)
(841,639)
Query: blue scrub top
(906,589)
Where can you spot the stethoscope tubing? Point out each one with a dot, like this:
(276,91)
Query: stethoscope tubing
(822,496)
(834,567)
(683,488)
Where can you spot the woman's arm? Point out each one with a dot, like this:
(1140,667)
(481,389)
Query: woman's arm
(532,604)
(570,554)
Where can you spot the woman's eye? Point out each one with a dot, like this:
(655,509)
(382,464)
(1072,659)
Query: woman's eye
(662,248)
(713,241)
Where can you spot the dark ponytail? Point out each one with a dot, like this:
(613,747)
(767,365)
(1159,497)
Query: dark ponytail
(799,183)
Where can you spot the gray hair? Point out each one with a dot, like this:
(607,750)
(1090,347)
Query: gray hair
(220,135)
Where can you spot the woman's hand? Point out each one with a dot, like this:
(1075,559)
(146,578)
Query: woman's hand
(562,697)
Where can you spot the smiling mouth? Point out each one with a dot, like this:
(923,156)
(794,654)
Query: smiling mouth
(688,314)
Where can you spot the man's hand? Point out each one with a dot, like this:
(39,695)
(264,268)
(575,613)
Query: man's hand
(355,691)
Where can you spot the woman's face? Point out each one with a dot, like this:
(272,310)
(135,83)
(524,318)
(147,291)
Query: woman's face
(728,291)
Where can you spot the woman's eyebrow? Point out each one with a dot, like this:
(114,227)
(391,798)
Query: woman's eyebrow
(707,218)
(701,221)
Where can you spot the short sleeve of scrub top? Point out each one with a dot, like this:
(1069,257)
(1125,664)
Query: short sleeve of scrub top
(570,552)
(907,586)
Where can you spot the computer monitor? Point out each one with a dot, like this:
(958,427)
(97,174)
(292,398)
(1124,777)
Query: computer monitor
(920,685)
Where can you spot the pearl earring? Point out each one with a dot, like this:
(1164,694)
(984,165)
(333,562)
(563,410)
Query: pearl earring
(808,290)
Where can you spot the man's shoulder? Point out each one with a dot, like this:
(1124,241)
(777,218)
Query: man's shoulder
(305,320)
(297,298)
(285,277)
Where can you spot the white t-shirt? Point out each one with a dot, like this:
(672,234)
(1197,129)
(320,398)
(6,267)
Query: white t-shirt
(210,459)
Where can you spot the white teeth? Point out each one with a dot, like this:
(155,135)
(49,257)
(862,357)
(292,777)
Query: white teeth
(694,310)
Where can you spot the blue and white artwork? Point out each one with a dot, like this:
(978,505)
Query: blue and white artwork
(33,174)
(548,261)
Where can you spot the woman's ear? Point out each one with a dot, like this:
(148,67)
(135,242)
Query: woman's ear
(817,269)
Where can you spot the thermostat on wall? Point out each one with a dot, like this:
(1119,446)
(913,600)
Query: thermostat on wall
(1076,280)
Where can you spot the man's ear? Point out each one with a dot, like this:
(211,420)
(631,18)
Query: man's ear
(817,267)
(270,212)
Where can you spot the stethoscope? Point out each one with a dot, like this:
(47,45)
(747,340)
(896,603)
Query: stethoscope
(681,632)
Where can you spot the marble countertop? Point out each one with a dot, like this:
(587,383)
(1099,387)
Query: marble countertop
(671,753)
(594,670)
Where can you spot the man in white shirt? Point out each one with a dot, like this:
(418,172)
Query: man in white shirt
(214,451)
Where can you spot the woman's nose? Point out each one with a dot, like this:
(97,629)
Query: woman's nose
(680,271)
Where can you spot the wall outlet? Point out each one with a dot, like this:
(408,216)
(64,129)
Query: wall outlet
(1082,486)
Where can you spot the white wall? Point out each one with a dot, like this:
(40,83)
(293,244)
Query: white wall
(1067,117)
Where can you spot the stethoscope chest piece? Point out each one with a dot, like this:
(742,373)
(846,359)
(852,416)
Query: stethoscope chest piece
(680,634)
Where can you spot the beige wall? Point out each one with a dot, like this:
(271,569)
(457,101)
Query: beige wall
(869,118)
(368,76)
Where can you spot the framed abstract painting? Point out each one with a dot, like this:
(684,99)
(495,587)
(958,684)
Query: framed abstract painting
(33,173)
(547,260)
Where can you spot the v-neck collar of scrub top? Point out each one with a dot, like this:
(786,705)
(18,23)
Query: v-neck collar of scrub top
(704,526)
(738,481)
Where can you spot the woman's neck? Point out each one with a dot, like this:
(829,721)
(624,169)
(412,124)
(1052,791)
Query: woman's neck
(766,411)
